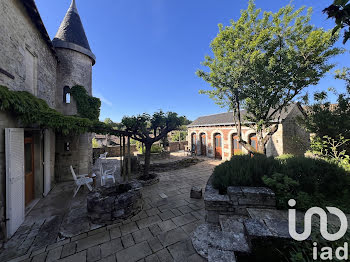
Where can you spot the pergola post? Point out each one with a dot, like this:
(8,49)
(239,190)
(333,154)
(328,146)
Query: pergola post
(129,158)
(124,166)
(121,156)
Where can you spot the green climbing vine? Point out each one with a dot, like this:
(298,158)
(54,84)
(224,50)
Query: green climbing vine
(34,112)
(87,106)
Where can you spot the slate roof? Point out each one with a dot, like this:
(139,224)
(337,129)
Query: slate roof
(71,33)
(227,118)
(34,15)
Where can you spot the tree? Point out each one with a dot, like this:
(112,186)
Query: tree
(340,11)
(262,62)
(329,122)
(179,136)
(151,129)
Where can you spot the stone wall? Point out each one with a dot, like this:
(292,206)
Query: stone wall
(177,146)
(236,201)
(18,35)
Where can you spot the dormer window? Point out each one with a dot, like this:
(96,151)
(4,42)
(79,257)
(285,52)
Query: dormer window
(66,95)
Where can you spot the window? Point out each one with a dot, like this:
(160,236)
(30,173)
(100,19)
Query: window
(30,67)
(66,95)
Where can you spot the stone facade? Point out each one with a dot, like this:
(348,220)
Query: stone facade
(30,62)
(282,142)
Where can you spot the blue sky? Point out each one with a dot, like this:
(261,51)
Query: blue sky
(149,50)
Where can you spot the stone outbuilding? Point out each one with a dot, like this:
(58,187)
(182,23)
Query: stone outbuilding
(216,135)
(32,159)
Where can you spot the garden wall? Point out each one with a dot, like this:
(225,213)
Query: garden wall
(177,146)
(236,201)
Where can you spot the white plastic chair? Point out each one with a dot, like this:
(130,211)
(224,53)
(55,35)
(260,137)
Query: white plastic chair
(108,174)
(81,180)
(104,155)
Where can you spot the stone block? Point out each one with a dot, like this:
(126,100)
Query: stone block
(257,229)
(215,255)
(196,192)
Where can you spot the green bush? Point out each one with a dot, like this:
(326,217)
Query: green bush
(312,182)
(154,149)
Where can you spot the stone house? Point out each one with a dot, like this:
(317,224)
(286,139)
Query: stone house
(107,140)
(32,160)
(216,135)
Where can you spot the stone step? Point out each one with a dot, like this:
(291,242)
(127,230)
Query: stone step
(200,238)
(233,235)
(215,255)
(256,228)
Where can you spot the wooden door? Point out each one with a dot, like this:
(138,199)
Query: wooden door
(194,143)
(218,146)
(203,145)
(29,169)
(254,142)
(236,146)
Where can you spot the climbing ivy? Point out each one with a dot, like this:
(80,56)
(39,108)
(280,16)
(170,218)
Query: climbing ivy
(87,106)
(34,112)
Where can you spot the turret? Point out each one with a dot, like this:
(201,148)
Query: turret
(74,68)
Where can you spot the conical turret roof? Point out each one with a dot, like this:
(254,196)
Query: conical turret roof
(71,34)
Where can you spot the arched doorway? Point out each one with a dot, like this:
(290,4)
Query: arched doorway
(236,146)
(218,146)
(194,143)
(253,141)
(203,140)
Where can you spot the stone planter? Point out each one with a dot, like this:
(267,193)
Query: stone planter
(118,202)
(236,201)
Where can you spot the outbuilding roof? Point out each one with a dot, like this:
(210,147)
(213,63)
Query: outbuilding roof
(227,118)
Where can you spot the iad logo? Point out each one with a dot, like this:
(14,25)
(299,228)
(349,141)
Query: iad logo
(326,252)
(323,222)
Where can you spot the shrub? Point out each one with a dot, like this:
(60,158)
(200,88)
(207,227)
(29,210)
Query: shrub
(243,170)
(154,149)
(312,182)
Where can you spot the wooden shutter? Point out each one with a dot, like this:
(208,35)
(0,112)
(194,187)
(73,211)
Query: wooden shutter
(15,192)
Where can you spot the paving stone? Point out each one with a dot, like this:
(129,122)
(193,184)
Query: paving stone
(155,244)
(58,244)
(172,236)
(128,228)
(38,251)
(40,258)
(111,247)
(146,222)
(162,195)
(128,241)
(54,254)
(78,257)
(79,237)
(68,249)
(91,241)
(153,211)
(143,214)
(94,232)
(181,250)
(152,258)
(93,254)
(183,220)
(189,228)
(164,255)
(166,215)
(185,209)
(167,225)
(134,253)
(115,233)
(155,229)
(142,235)
(111,258)
(176,212)
(216,255)
(195,258)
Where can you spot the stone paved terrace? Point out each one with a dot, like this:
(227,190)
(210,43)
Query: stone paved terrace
(161,232)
